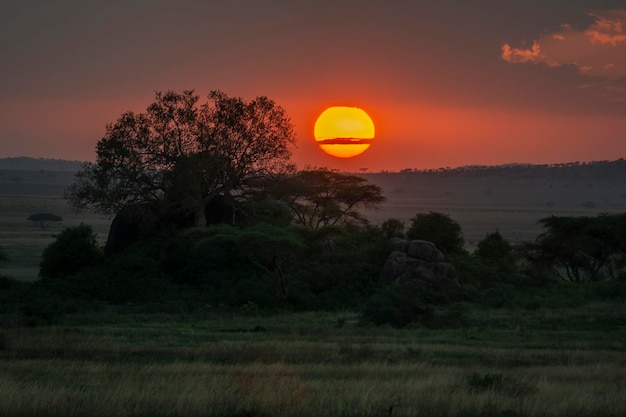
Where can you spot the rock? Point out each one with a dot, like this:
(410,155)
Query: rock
(399,243)
(422,249)
(418,260)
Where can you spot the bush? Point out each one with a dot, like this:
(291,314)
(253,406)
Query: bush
(495,250)
(393,228)
(439,229)
(74,249)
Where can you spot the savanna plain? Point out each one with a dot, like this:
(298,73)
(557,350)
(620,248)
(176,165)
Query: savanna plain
(554,349)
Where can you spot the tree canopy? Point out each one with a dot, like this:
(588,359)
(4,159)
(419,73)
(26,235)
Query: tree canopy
(320,197)
(580,248)
(438,228)
(181,153)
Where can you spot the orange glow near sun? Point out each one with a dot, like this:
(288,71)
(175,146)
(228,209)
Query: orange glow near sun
(344,132)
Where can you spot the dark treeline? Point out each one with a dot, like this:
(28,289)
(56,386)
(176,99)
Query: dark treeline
(595,170)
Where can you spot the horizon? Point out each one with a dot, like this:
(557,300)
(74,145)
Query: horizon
(449,84)
(364,170)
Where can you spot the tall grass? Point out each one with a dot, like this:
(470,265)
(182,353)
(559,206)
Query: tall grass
(225,364)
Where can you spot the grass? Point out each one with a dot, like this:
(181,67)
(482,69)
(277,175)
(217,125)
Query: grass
(230,363)
(523,359)
(23,243)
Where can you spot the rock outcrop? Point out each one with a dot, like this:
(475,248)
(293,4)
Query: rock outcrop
(418,260)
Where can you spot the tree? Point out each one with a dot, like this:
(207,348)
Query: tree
(320,197)
(393,227)
(43,220)
(75,248)
(438,228)
(495,250)
(579,249)
(181,153)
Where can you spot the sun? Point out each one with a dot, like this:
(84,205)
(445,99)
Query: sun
(344,132)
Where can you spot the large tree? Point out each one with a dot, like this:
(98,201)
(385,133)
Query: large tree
(181,153)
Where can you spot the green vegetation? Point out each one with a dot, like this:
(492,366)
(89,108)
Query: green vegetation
(511,362)
(438,228)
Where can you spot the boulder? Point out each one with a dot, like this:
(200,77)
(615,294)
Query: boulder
(422,249)
(418,260)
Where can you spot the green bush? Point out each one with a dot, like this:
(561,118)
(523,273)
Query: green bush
(439,229)
(75,248)
(496,251)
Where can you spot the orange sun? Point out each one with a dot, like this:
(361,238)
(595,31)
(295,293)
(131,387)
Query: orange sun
(344,132)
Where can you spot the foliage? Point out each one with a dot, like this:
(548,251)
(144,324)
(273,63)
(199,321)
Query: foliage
(393,227)
(43,220)
(439,229)
(74,248)
(579,249)
(273,265)
(320,197)
(182,153)
(269,248)
(496,251)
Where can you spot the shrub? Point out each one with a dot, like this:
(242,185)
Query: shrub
(75,248)
(393,228)
(438,228)
(495,250)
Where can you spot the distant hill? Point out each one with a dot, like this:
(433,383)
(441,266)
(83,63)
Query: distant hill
(23,163)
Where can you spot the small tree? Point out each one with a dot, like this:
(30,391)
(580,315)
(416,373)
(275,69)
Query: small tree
(43,220)
(495,250)
(320,197)
(438,228)
(74,249)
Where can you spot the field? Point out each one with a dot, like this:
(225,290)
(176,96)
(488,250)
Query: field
(524,358)
(570,362)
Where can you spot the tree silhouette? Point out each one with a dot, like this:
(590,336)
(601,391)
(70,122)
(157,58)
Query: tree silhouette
(438,228)
(320,197)
(182,153)
(580,248)
(43,220)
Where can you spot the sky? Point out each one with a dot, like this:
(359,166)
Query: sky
(447,83)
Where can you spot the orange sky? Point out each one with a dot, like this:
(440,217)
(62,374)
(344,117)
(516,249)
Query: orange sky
(447,84)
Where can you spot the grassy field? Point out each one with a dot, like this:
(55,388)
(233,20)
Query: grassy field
(530,360)
(570,362)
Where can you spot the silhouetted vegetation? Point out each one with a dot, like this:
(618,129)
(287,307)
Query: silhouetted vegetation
(580,249)
(43,220)
(74,249)
(180,154)
(438,228)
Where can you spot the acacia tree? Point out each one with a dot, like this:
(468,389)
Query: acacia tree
(580,248)
(43,220)
(181,153)
(320,197)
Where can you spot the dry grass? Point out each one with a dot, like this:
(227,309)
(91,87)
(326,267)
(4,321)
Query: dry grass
(304,365)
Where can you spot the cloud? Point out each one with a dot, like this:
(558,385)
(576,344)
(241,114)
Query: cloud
(597,51)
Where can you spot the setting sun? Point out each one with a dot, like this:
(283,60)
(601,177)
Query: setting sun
(344,132)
